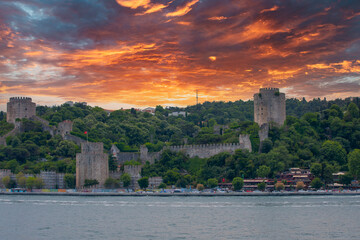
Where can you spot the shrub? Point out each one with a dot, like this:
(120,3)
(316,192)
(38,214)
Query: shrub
(238,183)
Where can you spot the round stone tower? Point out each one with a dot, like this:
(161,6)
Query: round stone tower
(20,107)
(269,106)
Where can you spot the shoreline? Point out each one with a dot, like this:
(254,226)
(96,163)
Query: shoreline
(237,194)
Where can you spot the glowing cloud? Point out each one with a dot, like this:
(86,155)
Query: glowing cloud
(181,11)
(150,52)
(212,58)
(218,18)
(274,8)
(146,4)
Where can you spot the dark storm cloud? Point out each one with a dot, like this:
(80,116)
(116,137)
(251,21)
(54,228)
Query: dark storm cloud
(122,49)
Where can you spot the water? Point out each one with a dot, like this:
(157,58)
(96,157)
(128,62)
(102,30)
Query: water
(66,217)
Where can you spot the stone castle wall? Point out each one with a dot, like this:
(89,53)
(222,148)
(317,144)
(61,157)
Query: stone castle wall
(91,163)
(134,172)
(206,150)
(75,139)
(127,156)
(16,130)
(202,151)
(64,128)
(51,180)
(20,107)
(145,156)
(44,124)
(269,106)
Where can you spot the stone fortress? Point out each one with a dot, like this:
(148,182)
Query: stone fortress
(269,106)
(20,107)
(92,162)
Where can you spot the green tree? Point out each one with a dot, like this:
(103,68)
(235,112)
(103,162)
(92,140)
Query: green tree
(20,179)
(352,112)
(200,187)
(171,177)
(162,185)
(30,182)
(112,163)
(212,182)
(316,169)
(261,186)
(266,146)
(7,182)
(354,163)
(111,183)
(38,183)
(300,185)
(333,152)
(21,182)
(91,182)
(346,179)
(279,186)
(70,180)
(237,183)
(126,180)
(263,171)
(316,183)
(143,182)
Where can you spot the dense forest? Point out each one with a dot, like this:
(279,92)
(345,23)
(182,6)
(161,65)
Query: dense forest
(318,134)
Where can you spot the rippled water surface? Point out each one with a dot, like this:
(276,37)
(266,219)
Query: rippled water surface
(65,217)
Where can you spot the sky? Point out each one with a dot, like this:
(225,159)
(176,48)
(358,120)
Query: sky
(126,53)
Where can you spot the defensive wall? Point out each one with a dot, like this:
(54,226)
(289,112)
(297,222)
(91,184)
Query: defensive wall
(133,170)
(205,150)
(51,179)
(44,124)
(202,150)
(75,139)
(16,130)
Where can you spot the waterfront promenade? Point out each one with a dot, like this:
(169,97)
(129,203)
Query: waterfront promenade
(185,194)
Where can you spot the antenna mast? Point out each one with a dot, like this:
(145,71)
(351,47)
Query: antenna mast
(197,98)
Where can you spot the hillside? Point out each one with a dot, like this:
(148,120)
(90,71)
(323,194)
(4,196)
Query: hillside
(318,133)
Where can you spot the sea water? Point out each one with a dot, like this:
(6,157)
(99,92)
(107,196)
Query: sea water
(278,218)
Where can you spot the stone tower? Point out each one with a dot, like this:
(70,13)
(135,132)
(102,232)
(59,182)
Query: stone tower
(269,106)
(65,128)
(91,163)
(20,107)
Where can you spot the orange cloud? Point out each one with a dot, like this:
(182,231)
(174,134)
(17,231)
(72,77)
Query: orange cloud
(181,11)
(212,58)
(274,8)
(128,56)
(340,67)
(218,18)
(146,4)
(100,57)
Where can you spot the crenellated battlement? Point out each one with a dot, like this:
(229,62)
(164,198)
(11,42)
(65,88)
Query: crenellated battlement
(92,148)
(208,150)
(269,89)
(20,99)
(203,146)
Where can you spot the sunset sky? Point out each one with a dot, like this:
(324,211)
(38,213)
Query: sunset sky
(127,53)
